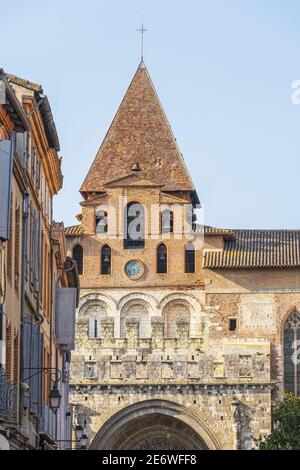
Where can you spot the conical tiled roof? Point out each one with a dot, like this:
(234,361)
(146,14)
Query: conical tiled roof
(140,133)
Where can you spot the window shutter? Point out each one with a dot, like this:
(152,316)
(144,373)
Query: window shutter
(40,376)
(20,149)
(65,316)
(38,174)
(26,355)
(32,246)
(6,160)
(17,248)
(37,242)
(10,244)
(35,365)
(26,233)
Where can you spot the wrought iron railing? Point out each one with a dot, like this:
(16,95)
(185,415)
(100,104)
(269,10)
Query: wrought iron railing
(8,397)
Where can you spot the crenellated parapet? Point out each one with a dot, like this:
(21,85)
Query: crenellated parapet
(160,359)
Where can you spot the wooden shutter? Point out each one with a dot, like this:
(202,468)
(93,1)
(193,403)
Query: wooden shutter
(35,365)
(10,244)
(41,364)
(32,246)
(26,234)
(6,161)
(17,248)
(37,253)
(26,355)
(65,316)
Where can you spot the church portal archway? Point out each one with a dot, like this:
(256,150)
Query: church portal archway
(154,425)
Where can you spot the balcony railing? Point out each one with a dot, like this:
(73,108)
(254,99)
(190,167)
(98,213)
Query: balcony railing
(8,397)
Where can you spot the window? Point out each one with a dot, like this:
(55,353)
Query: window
(106,260)
(10,242)
(89,371)
(95,328)
(78,257)
(167,222)
(94,313)
(17,247)
(135,312)
(291,341)
(101,222)
(232,324)
(190,259)
(134,226)
(162,261)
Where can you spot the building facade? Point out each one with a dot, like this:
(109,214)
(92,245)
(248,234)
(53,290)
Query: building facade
(13,129)
(186,334)
(37,277)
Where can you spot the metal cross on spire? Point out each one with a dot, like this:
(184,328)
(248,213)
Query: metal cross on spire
(142,30)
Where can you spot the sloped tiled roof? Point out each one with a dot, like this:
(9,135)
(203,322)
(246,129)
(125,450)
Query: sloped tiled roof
(209,230)
(73,230)
(140,133)
(25,83)
(44,107)
(257,249)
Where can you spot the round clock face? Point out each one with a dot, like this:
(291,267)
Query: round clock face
(134,269)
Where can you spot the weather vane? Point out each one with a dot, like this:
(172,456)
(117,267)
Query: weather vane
(142,30)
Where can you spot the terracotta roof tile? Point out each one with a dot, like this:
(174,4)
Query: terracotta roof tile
(257,249)
(73,230)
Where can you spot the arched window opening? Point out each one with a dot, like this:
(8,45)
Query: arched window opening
(101,222)
(106,260)
(162,259)
(167,221)
(78,257)
(291,340)
(95,328)
(134,226)
(190,264)
(138,312)
(174,312)
(95,313)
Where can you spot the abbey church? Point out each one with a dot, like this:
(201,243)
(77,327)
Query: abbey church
(186,334)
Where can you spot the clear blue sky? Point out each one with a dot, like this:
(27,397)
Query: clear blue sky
(222,68)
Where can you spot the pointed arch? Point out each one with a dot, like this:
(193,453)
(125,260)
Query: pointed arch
(291,346)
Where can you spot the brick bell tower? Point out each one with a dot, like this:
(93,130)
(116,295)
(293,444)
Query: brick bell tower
(142,294)
(145,374)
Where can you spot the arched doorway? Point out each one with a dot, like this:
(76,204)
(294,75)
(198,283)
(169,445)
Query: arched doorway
(154,425)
